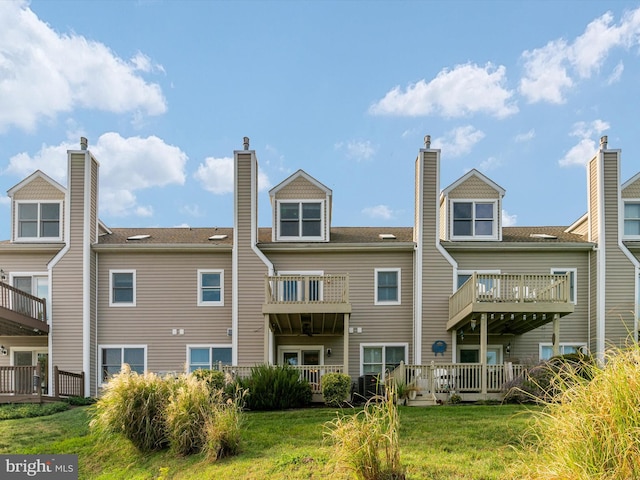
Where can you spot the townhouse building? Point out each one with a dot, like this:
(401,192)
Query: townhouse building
(457,295)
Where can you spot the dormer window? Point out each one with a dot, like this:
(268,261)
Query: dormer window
(474,220)
(632,219)
(300,220)
(38,221)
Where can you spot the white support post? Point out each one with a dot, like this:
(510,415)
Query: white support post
(484,329)
(345,361)
(267,331)
(556,334)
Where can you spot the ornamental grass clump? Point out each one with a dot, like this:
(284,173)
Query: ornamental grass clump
(367,443)
(222,429)
(591,428)
(134,405)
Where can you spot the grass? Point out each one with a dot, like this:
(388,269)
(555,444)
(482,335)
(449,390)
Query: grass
(462,442)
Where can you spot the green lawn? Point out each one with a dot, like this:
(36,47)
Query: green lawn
(446,442)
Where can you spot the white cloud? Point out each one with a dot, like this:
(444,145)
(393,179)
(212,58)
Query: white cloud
(465,90)
(490,163)
(192,210)
(583,151)
(357,149)
(126,165)
(458,141)
(525,137)
(216,176)
(379,211)
(508,220)
(550,70)
(616,74)
(45,73)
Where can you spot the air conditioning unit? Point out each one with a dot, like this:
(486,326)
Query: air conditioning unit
(369,385)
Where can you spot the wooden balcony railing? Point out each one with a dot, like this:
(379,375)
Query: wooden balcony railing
(307,289)
(18,301)
(505,288)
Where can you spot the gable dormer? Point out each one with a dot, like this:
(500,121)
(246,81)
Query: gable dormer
(301,209)
(630,196)
(37,209)
(470,208)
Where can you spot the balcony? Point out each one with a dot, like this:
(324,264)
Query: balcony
(21,313)
(513,304)
(307,304)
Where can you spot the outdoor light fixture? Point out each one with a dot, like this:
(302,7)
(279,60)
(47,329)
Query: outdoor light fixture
(3,276)
(473,324)
(508,348)
(328,352)
(3,351)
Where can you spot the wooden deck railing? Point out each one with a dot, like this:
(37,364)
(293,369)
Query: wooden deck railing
(304,289)
(455,377)
(501,288)
(15,299)
(22,382)
(312,373)
(68,384)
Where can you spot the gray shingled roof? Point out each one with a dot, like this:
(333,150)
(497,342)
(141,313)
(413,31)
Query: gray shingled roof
(182,236)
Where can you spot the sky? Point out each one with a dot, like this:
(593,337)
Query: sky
(165,91)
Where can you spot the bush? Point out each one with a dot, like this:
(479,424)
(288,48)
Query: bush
(223,428)
(367,443)
(542,382)
(213,378)
(335,388)
(134,405)
(190,407)
(275,388)
(591,428)
(30,410)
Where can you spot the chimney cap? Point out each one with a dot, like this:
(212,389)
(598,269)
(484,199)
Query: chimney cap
(427,141)
(245,143)
(603,142)
(84,143)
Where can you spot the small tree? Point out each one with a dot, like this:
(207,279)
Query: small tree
(336,388)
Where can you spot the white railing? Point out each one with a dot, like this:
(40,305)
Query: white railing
(311,373)
(455,377)
(304,289)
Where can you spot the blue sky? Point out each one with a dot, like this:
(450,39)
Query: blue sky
(346,91)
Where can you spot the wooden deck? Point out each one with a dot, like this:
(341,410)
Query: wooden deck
(24,385)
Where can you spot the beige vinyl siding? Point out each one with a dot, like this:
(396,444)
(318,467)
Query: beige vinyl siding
(632,190)
(437,272)
(66,292)
(380,323)
(620,272)
(251,273)
(166,299)
(573,327)
(582,229)
(443,220)
(93,281)
(594,194)
(24,261)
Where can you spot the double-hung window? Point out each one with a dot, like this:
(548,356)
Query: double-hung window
(632,219)
(387,286)
(378,358)
(300,220)
(208,357)
(210,287)
(38,221)
(546,349)
(474,219)
(112,357)
(122,288)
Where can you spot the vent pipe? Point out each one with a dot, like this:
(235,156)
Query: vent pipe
(245,141)
(603,142)
(83,143)
(427,141)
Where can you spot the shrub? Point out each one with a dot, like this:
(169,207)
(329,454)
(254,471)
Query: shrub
(335,388)
(214,379)
(134,405)
(541,383)
(80,401)
(275,388)
(189,408)
(367,443)
(591,428)
(29,410)
(223,428)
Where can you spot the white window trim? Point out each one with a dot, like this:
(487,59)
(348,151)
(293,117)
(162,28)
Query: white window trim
(205,345)
(202,303)
(375,287)
(578,345)
(300,238)
(383,344)
(623,203)
(121,347)
(574,271)
(474,201)
(299,348)
(122,304)
(38,238)
(498,347)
